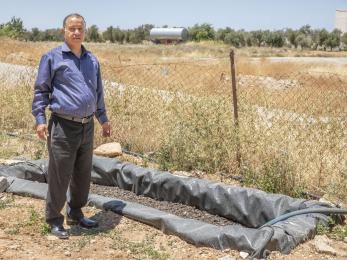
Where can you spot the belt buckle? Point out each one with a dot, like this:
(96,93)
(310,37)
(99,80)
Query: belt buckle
(84,120)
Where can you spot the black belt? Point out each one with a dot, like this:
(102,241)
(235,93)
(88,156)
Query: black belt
(82,120)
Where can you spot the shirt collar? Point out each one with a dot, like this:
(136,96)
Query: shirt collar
(66,48)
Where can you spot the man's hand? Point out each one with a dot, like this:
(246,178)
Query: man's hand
(42,131)
(106,129)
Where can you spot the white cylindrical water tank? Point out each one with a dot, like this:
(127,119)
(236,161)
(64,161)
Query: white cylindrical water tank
(341,20)
(178,34)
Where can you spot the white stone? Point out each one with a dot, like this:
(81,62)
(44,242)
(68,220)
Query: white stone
(322,245)
(52,238)
(227,257)
(3,184)
(244,255)
(109,150)
(13,247)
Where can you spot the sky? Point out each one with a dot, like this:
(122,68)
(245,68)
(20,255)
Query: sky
(127,14)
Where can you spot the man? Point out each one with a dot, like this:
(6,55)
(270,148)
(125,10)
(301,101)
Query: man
(69,84)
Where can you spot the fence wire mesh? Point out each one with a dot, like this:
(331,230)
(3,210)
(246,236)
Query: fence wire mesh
(292,125)
(295,124)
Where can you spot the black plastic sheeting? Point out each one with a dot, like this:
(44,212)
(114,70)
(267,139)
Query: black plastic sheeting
(249,207)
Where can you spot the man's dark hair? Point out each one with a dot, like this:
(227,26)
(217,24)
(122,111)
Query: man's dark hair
(73,15)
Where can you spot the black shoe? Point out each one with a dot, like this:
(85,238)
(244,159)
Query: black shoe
(83,222)
(59,231)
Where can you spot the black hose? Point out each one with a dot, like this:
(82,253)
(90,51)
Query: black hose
(306,211)
(261,252)
(139,155)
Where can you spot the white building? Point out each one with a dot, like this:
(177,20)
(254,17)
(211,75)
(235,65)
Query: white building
(341,20)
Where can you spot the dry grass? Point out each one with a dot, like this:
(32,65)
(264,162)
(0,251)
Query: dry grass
(292,116)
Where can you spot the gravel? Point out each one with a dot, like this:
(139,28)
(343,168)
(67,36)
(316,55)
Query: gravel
(177,209)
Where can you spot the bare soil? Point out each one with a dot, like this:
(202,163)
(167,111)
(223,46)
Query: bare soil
(177,209)
(24,235)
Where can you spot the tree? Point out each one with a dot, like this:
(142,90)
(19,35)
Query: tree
(334,39)
(315,38)
(267,37)
(118,35)
(201,32)
(306,30)
(92,34)
(147,28)
(52,35)
(278,39)
(274,39)
(291,36)
(257,38)
(221,33)
(35,34)
(323,37)
(108,34)
(304,41)
(14,28)
(235,38)
(344,39)
(137,35)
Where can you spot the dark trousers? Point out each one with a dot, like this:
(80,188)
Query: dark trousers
(70,148)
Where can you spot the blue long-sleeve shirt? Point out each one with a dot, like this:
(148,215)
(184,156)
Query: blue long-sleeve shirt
(69,85)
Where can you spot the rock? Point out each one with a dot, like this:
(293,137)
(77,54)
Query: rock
(227,257)
(327,246)
(13,247)
(181,174)
(109,150)
(322,245)
(3,184)
(51,238)
(244,255)
(67,253)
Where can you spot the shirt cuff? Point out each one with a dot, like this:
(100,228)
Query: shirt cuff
(40,120)
(103,119)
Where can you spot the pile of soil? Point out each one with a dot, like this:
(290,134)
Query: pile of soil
(177,209)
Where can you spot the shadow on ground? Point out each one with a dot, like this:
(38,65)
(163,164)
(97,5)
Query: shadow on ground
(108,220)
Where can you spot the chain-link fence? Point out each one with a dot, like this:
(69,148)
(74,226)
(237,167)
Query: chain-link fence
(293,128)
(291,125)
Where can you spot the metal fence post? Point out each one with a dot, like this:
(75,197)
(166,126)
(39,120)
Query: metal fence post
(235,106)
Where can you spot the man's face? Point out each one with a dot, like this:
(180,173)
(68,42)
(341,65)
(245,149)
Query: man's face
(74,31)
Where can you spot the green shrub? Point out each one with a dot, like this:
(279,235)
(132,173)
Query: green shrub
(275,175)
